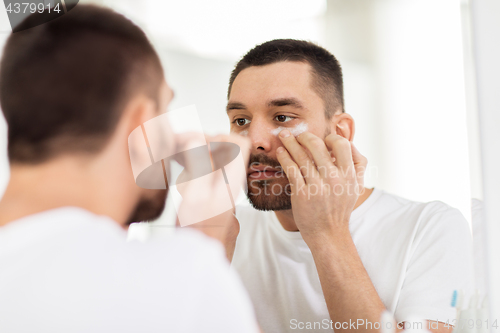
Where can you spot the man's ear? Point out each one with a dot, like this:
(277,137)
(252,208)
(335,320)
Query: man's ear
(139,110)
(344,125)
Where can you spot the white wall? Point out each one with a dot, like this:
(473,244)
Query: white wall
(404,74)
(199,81)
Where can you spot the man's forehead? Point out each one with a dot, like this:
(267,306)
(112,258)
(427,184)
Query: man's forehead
(288,82)
(283,72)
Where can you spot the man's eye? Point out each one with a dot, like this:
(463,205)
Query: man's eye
(283,119)
(242,121)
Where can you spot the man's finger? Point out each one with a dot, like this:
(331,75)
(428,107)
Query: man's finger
(298,154)
(358,159)
(290,168)
(318,150)
(360,163)
(341,149)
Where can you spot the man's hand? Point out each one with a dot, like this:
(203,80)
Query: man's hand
(224,226)
(324,182)
(324,194)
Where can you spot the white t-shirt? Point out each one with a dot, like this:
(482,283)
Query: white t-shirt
(68,270)
(416,255)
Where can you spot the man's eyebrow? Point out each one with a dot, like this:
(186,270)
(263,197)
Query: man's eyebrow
(235,106)
(293,102)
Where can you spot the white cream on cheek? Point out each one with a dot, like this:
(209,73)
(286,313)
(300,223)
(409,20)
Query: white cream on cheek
(296,130)
(243,133)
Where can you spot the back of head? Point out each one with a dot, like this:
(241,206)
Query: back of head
(64,84)
(326,71)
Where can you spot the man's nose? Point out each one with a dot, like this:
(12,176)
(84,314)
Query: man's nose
(263,141)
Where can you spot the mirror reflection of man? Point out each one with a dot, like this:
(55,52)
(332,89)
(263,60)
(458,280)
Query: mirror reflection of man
(71,91)
(318,249)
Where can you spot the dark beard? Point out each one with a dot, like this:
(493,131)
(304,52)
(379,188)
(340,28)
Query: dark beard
(272,194)
(149,207)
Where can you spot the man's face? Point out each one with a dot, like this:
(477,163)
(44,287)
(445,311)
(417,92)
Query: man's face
(263,100)
(152,202)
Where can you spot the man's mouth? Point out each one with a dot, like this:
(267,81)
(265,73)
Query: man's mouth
(260,172)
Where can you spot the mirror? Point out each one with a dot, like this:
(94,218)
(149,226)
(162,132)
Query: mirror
(409,83)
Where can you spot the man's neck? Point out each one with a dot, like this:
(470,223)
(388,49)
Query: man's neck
(65,182)
(286,216)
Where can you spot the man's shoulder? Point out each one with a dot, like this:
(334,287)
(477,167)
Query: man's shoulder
(83,239)
(477,208)
(91,262)
(394,202)
(185,246)
(395,211)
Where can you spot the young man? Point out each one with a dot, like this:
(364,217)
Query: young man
(318,251)
(71,91)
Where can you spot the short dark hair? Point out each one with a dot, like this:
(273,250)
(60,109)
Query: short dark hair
(326,70)
(64,84)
